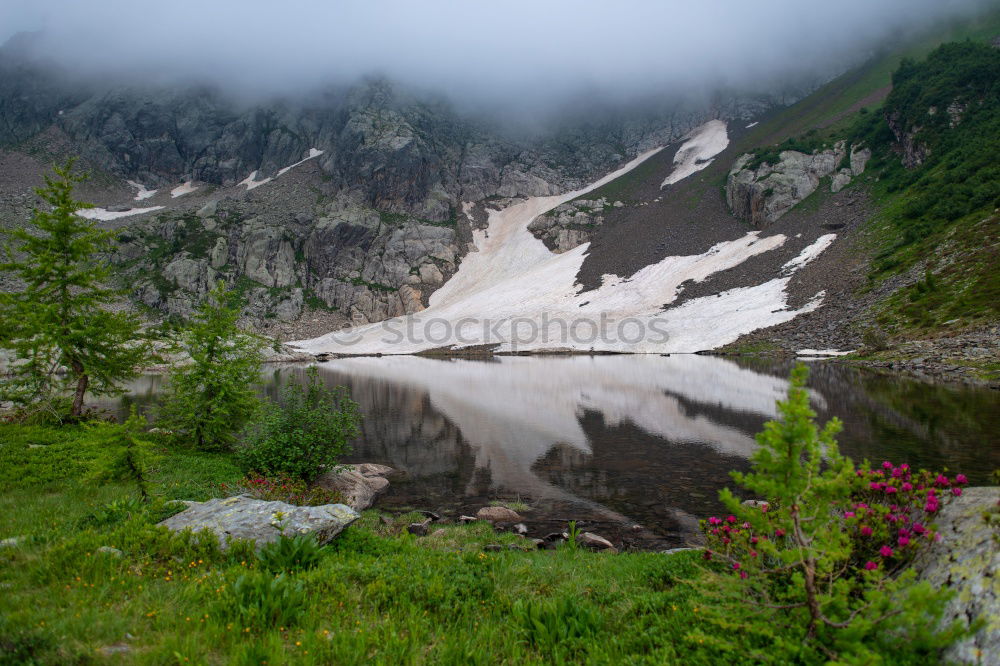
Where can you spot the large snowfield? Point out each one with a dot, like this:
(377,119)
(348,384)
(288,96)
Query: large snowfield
(697,152)
(513,294)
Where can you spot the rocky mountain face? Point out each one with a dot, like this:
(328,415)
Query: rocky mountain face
(351,204)
(571,224)
(761,193)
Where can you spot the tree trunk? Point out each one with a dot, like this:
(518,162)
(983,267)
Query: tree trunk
(82,380)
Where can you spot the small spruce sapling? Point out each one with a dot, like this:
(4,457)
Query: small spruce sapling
(129,455)
(212,398)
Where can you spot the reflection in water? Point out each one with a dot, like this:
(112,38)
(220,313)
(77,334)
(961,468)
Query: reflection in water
(622,439)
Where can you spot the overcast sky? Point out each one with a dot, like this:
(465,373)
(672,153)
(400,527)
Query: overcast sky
(497,49)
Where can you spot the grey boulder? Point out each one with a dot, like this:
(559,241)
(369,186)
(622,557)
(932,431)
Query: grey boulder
(243,517)
(358,484)
(498,514)
(967,560)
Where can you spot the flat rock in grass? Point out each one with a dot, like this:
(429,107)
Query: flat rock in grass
(243,517)
(117,648)
(498,514)
(358,484)
(967,560)
(11,542)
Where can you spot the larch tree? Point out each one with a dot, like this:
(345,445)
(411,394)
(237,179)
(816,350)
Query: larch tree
(62,320)
(211,399)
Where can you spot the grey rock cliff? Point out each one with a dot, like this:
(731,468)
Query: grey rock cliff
(761,195)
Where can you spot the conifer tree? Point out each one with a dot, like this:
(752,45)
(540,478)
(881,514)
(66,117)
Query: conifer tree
(58,321)
(213,397)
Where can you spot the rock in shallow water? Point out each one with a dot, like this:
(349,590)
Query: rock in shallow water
(498,514)
(358,484)
(595,541)
(243,517)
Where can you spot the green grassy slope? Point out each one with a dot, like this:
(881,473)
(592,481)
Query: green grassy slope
(938,217)
(833,105)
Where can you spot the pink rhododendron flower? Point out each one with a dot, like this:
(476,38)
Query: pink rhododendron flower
(779,533)
(918,528)
(961,478)
(907,486)
(714,521)
(891,489)
(848,514)
(754,539)
(870,565)
(860,505)
(886,465)
(942,480)
(866,531)
(875,485)
(736,565)
(885,551)
(903,540)
(731,519)
(931,507)
(956,491)
(746,526)
(743,574)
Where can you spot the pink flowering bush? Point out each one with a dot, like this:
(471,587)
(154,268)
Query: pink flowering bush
(829,548)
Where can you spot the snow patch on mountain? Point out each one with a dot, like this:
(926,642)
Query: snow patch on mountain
(251,182)
(141,191)
(106,215)
(701,145)
(809,253)
(182,189)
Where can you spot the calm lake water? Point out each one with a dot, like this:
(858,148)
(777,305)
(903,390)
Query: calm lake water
(619,441)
